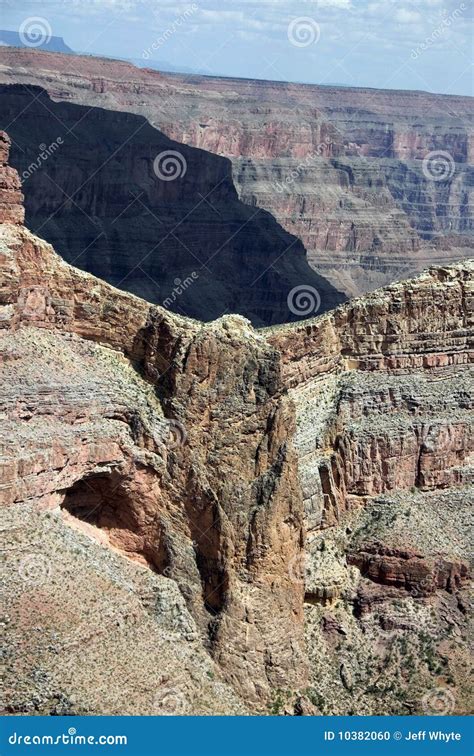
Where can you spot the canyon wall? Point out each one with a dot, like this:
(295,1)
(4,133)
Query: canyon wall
(383,389)
(224,520)
(376,184)
(154,217)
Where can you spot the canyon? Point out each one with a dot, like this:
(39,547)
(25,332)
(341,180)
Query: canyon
(102,193)
(376,184)
(209,518)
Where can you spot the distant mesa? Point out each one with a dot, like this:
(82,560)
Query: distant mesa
(341,169)
(52,44)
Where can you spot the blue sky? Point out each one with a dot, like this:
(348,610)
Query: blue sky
(393,44)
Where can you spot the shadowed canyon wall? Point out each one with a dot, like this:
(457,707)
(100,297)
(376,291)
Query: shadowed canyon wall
(157,218)
(187,469)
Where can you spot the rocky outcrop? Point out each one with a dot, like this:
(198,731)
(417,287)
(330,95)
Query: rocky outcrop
(152,216)
(11,198)
(226,520)
(342,169)
(383,388)
(409,570)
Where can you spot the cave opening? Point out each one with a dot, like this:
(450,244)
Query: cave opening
(111,504)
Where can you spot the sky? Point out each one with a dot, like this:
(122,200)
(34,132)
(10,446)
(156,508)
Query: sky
(391,44)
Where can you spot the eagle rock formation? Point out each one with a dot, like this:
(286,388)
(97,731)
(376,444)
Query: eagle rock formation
(213,519)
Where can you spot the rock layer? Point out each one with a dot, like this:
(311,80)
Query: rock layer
(136,457)
(11,198)
(343,169)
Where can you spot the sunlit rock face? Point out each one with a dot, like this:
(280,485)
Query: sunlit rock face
(213,519)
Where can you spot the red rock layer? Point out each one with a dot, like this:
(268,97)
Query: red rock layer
(11,198)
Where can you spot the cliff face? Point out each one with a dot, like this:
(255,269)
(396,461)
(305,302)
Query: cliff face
(11,198)
(253,521)
(181,470)
(383,390)
(157,218)
(377,184)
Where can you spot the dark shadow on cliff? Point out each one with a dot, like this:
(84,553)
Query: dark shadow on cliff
(96,188)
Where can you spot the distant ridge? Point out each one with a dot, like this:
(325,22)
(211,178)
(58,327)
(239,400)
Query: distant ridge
(52,44)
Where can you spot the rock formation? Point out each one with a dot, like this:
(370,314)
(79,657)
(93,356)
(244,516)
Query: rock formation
(11,198)
(376,184)
(208,518)
(162,220)
(187,469)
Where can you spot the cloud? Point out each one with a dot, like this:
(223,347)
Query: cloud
(334,4)
(406,16)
